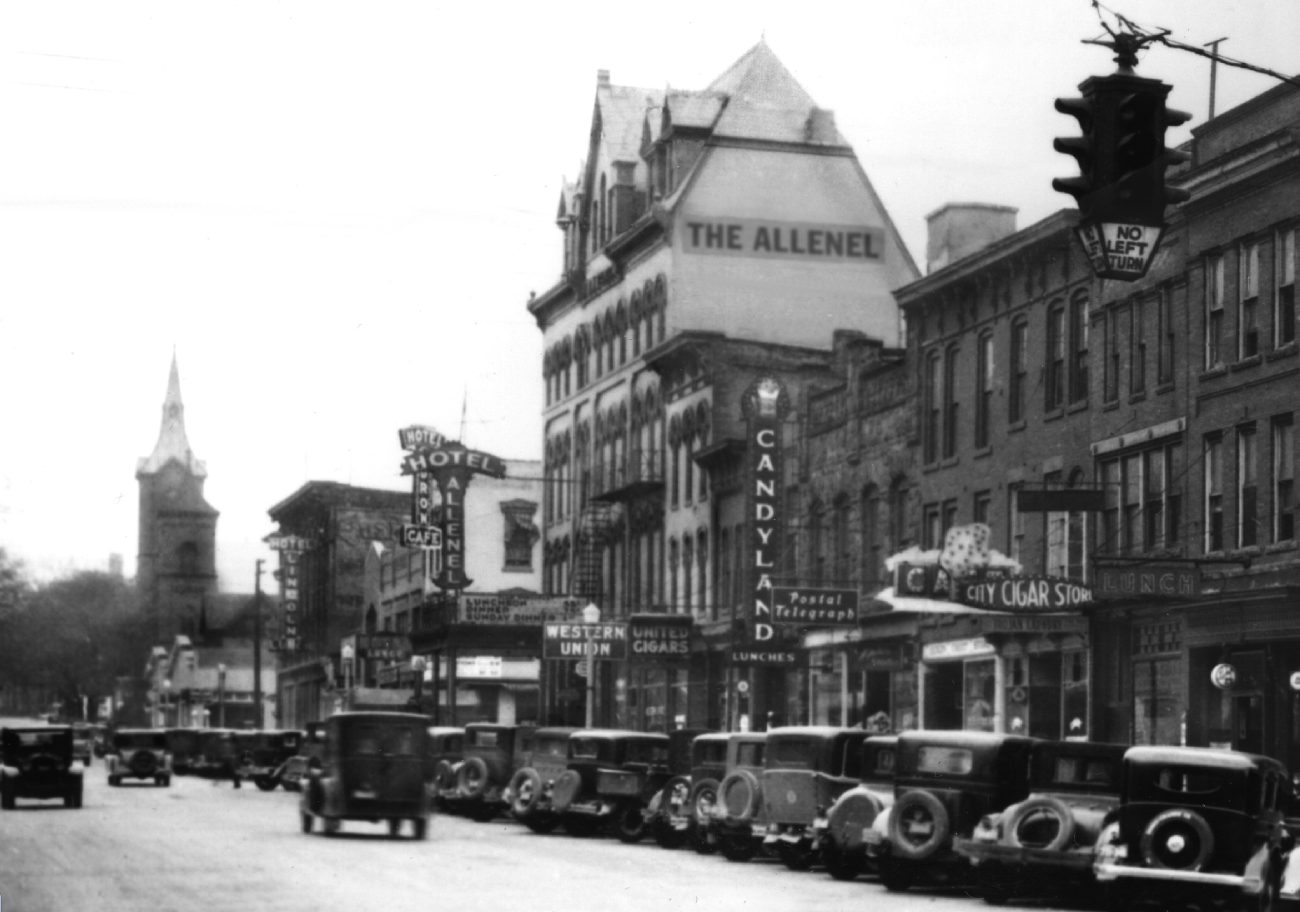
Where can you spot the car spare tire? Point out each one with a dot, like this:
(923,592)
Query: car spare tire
(565,791)
(1178,839)
(43,764)
(704,795)
(472,778)
(143,763)
(918,825)
(738,795)
(444,776)
(526,787)
(1040,823)
(851,815)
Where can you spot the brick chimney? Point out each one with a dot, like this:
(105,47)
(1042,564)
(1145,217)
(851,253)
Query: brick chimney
(957,230)
(602,79)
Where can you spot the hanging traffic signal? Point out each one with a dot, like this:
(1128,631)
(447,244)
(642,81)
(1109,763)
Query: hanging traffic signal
(1121,190)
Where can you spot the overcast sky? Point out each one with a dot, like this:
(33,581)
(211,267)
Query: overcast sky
(335,213)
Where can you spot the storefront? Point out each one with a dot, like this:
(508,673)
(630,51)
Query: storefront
(866,675)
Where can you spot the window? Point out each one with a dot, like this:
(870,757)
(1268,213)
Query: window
(1143,506)
(1019,370)
(688,558)
(724,568)
(673,558)
(702,562)
(982,507)
(949,517)
(1112,356)
(840,573)
(1248,308)
(1165,356)
(1016,524)
(1283,479)
(817,543)
(1213,494)
(871,536)
(1055,394)
(950,404)
(984,396)
(1079,341)
(1065,535)
(1247,490)
(689,445)
(1214,312)
(674,486)
(931,530)
(1284,317)
(931,407)
(1138,357)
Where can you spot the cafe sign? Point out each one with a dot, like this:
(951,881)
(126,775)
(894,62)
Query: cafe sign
(1025,593)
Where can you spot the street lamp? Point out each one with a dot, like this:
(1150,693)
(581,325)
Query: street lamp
(590,615)
(221,695)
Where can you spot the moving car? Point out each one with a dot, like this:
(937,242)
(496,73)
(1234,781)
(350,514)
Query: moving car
(139,753)
(374,767)
(611,777)
(944,783)
(1197,824)
(38,762)
(529,791)
(1046,843)
(840,832)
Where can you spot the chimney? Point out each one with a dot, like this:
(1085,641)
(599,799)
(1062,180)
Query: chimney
(820,126)
(602,79)
(957,230)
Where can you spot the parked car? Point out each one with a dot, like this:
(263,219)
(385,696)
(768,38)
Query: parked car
(944,782)
(1196,824)
(215,755)
(83,740)
(1047,843)
(530,789)
(446,749)
(671,815)
(139,753)
(839,833)
(611,777)
(259,755)
(737,825)
(38,762)
(806,768)
(374,766)
(492,754)
(183,744)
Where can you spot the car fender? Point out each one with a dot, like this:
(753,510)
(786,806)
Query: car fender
(10,771)
(652,809)
(1258,871)
(1291,877)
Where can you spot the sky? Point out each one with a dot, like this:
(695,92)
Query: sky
(334,213)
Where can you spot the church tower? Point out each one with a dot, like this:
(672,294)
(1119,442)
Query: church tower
(176,570)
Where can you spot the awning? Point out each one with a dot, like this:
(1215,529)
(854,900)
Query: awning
(928,606)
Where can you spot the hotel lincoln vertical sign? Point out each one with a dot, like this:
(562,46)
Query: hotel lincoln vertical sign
(765,405)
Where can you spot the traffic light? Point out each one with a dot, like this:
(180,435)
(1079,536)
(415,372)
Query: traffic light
(1141,119)
(1083,149)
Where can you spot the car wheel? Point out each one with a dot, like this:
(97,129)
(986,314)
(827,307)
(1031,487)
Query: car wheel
(307,820)
(797,856)
(1178,839)
(629,822)
(526,787)
(1040,823)
(580,825)
(738,847)
(542,823)
(394,827)
(993,887)
(265,783)
(668,836)
(472,778)
(115,781)
(739,796)
(158,781)
(420,828)
(841,863)
(893,877)
(72,799)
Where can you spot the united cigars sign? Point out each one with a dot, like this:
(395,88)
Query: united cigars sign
(578,641)
(818,607)
(660,635)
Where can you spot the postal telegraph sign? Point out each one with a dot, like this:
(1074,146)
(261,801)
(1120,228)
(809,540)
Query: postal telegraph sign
(819,607)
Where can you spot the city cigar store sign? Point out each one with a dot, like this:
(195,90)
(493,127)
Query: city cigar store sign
(660,635)
(783,240)
(1024,593)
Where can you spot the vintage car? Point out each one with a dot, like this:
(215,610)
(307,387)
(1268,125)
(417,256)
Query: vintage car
(611,777)
(1196,824)
(446,749)
(38,762)
(806,769)
(1046,843)
(492,754)
(139,753)
(736,823)
(839,833)
(215,754)
(944,783)
(311,746)
(183,745)
(83,742)
(374,766)
(529,791)
(259,755)
(671,816)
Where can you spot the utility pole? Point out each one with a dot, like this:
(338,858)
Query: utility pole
(1214,67)
(257,647)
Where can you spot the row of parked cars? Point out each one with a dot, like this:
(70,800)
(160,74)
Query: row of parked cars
(1004,814)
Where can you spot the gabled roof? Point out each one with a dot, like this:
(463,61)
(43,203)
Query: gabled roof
(172,445)
(622,111)
(767,103)
(691,109)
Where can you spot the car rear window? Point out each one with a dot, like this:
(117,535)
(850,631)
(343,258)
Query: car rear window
(395,741)
(880,762)
(714,752)
(482,738)
(792,754)
(945,761)
(1085,771)
(136,741)
(750,754)
(585,749)
(654,753)
(1187,781)
(551,747)
(37,739)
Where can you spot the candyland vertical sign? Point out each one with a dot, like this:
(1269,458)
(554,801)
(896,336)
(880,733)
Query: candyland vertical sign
(764,405)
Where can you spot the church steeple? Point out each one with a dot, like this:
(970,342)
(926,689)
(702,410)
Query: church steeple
(172,442)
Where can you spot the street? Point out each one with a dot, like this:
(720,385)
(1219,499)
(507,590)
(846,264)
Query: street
(203,845)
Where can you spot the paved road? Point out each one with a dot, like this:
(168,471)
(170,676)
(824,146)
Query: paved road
(202,845)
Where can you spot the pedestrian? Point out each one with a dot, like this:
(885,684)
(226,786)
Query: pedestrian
(234,775)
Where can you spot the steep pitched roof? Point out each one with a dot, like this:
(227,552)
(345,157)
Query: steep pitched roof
(172,443)
(622,117)
(692,109)
(767,103)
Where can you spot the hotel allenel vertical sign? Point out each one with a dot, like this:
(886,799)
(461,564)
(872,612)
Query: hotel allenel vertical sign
(450,465)
(290,548)
(764,406)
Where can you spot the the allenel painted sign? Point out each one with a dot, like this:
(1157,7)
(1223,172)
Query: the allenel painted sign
(660,635)
(1114,583)
(817,607)
(723,236)
(577,641)
(1024,593)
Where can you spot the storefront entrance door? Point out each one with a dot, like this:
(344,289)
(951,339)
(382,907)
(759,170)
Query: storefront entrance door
(1248,723)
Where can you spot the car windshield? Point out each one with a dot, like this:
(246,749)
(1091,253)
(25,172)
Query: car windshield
(710,753)
(792,754)
(551,747)
(453,744)
(946,761)
(390,740)
(653,753)
(1085,771)
(750,753)
(141,740)
(37,739)
(482,738)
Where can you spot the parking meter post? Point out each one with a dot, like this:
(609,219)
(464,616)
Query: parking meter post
(590,615)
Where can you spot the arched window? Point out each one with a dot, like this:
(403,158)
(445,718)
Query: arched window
(661,306)
(636,317)
(931,407)
(688,558)
(985,373)
(673,558)
(702,562)
(950,403)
